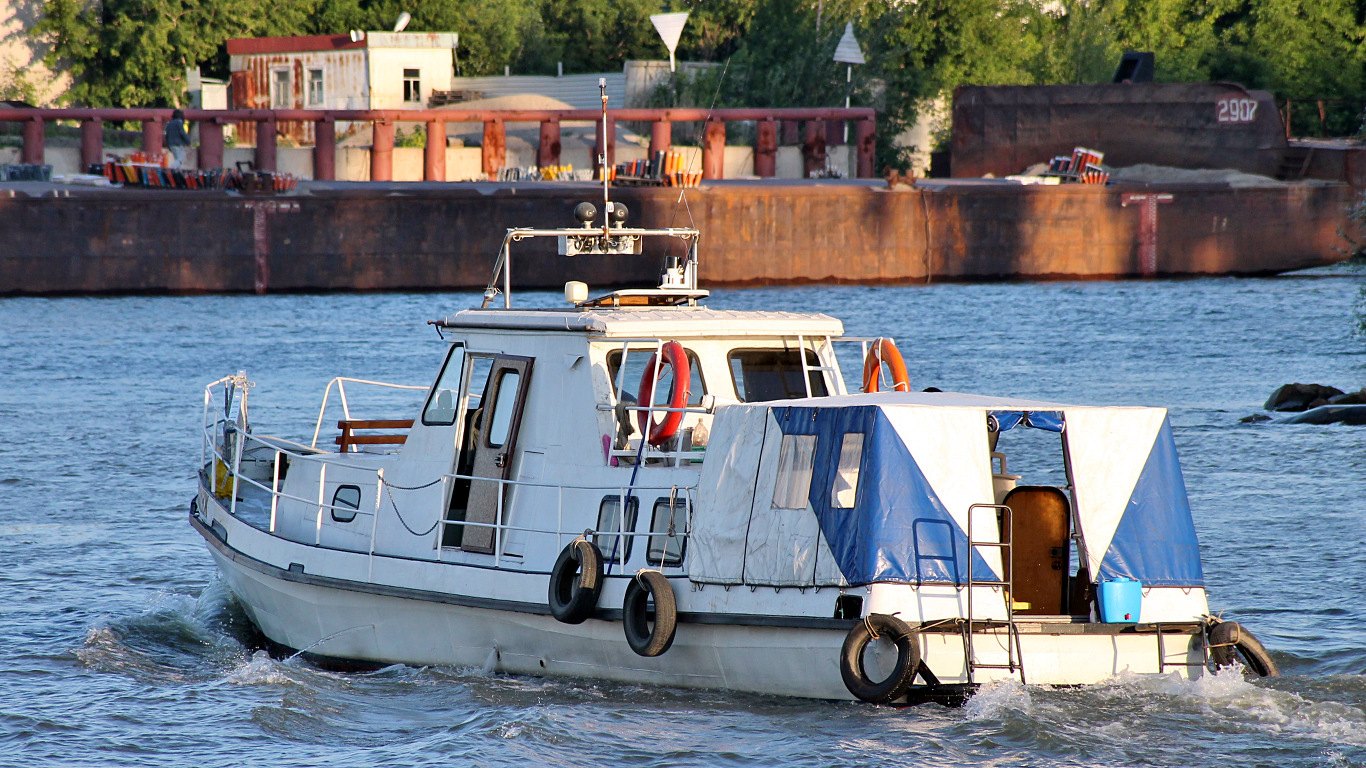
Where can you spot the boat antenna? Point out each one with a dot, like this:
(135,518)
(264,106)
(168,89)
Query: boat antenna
(602,162)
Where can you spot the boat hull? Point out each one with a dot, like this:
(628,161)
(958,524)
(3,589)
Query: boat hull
(351,621)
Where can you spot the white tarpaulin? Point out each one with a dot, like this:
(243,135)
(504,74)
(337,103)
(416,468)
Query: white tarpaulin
(1108,448)
(726,494)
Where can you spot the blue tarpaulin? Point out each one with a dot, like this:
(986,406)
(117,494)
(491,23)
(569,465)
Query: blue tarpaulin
(897,530)
(1155,541)
(1051,421)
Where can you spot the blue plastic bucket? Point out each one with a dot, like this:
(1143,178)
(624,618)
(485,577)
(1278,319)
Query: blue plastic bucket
(1120,601)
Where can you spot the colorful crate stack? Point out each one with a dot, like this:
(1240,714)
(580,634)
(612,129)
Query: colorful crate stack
(662,169)
(154,175)
(1084,166)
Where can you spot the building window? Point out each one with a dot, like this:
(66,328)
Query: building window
(315,88)
(280,93)
(412,85)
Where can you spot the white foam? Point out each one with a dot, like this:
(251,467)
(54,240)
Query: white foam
(260,669)
(995,698)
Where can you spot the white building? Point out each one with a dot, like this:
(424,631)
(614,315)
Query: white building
(364,70)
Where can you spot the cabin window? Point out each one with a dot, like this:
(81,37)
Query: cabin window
(773,374)
(795,459)
(636,360)
(412,85)
(441,403)
(504,407)
(615,548)
(345,503)
(281,96)
(666,549)
(845,489)
(315,87)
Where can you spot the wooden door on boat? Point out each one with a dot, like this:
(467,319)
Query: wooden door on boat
(1039,546)
(495,446)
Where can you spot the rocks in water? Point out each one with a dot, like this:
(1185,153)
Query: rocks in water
(1330,414)
(1302,397)
(1254,418)
(1316,404)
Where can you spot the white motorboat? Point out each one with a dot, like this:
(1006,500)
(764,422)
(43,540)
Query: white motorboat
(637,488)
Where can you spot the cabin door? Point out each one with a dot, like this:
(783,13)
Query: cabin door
(1038,543)
(495,442)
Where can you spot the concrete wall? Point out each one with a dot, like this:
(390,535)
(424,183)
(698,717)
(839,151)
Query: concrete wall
(438,237)
(1002,130)
(435,65)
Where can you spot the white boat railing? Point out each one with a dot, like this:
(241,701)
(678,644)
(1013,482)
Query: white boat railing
(213,455)
(340,381)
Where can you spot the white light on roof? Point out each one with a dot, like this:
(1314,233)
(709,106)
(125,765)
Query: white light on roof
(670,28)
(848,52)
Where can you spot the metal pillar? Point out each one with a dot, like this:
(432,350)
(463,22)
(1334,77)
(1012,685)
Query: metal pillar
(766,150)
(434,156)
(714,150)
(92,143)
(265,145)
(495,150)
(382,151)
(152,137)
(813,151)
(210,144)
(865,138)
(661,136)
(324,149)
(611,143)
(548,150)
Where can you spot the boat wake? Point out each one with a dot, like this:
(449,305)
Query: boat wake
(1144,711)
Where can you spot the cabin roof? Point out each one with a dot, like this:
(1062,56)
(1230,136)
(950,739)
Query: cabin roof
(935,399)
(652,322)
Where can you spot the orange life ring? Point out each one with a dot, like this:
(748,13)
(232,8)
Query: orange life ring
(882,351)
(676,359)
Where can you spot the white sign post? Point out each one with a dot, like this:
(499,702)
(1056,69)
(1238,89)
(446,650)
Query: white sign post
(670,27)
(848,52)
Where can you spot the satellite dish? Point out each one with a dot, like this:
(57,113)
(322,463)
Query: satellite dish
(357,35)
(404,18)
(847,52)
(670,28)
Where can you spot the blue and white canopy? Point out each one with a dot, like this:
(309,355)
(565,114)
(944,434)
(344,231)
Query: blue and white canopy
(877,488)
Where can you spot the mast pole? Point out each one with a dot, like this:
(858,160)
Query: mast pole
(602,162)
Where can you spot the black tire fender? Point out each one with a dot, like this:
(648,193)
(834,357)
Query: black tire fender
(635,619)
(1229,642)
(576,582)
(872,627)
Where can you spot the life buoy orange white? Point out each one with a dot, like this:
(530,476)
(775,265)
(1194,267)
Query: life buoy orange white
(883,350)
(677,360)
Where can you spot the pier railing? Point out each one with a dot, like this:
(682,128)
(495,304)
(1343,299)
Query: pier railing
(813,129)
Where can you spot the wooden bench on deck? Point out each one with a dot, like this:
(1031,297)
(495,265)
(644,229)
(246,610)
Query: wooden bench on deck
(348,438)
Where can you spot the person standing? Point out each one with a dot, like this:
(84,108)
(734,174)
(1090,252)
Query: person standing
(177,138)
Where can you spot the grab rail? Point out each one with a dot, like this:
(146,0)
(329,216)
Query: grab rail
(340,381)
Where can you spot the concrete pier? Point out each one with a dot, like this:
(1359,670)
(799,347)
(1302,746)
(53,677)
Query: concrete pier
(434,236)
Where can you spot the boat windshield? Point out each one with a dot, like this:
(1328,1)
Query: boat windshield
(773,374)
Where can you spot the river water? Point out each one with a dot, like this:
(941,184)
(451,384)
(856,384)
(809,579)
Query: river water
(122,647)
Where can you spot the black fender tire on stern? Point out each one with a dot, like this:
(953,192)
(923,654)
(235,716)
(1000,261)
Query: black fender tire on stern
(1230,642)
(635,620)
(907,640)
(576,582)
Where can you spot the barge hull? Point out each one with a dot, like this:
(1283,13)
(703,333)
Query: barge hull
(391,237)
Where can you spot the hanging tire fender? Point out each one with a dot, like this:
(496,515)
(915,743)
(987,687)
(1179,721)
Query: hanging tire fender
(635,621)
(856,679)
(576,582)
(1229,642)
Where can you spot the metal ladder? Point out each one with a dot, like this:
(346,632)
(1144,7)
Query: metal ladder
(826,355)
(1014,655)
